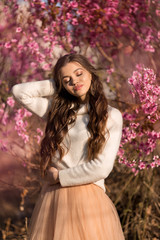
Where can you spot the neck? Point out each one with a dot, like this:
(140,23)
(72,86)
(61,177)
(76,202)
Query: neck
(83,100)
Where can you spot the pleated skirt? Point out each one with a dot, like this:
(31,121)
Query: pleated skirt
(82,212)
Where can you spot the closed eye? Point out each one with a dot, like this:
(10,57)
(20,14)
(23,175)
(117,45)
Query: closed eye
(79,74)
(67,80)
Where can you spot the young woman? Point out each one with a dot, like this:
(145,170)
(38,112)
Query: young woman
(81,141)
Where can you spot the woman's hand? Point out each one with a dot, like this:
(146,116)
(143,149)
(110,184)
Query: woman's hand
(52,175)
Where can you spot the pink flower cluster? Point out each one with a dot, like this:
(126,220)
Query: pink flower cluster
(109,73)
(20,117)
(21,124)
(10,101)
(39,135)
(144,87)
(139,140)
(4,116)
(146,42)
(71,23)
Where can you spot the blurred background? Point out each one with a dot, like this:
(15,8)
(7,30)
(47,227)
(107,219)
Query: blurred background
(122,37)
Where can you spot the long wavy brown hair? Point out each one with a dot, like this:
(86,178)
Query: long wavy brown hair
(63,112)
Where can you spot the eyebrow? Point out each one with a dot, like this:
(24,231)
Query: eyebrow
(73,71)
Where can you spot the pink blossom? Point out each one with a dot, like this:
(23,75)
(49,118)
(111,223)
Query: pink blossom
(129,116)
(46,38)
(135,171)
(7,45)
(46,30)
(14,40)
(121,152)
(155,157)
(20,123)
(134,125)
(27,113)
(43,5)
(19,114)
(74,21)
(35,34)
(134,7)
(46,67)
(40,57)
(110,71)
(74,4)
(153,164)
(40,131)
(109,11)
(25,138)
(157,12)
(19,29)
(99,21)
(5,118)
(10,101)
(68,15)
(149,48)
(108,79)
(53,24)
(33,45)
(157,162)
(87,19)
(142,165)
(33,64)
(38,139)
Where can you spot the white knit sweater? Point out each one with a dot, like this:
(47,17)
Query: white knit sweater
(74,169)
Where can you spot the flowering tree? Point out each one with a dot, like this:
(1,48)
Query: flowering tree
(138,146)
(29,50)
(116,35)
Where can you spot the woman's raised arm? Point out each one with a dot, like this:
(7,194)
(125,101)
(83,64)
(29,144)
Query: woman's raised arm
(33,95)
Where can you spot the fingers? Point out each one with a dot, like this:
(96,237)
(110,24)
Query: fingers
(52,175)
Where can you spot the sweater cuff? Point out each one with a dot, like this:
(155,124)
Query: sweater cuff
(62,178)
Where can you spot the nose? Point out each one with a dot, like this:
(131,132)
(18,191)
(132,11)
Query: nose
(74,80)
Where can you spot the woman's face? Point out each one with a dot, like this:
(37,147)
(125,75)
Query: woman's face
(76,79)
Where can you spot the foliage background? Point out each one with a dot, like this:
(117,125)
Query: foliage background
(118,36)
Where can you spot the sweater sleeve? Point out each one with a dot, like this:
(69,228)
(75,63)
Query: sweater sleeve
(100,167)
(33,95)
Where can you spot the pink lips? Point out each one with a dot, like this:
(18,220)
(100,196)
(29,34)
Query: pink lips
(78,87)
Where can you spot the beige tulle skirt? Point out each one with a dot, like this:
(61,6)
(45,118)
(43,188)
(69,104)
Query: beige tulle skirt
(74,213)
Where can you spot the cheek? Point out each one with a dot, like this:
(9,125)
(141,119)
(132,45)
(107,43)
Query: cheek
(64,85)
(89,81)
(68,88)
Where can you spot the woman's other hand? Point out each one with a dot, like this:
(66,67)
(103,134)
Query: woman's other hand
(52,175)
